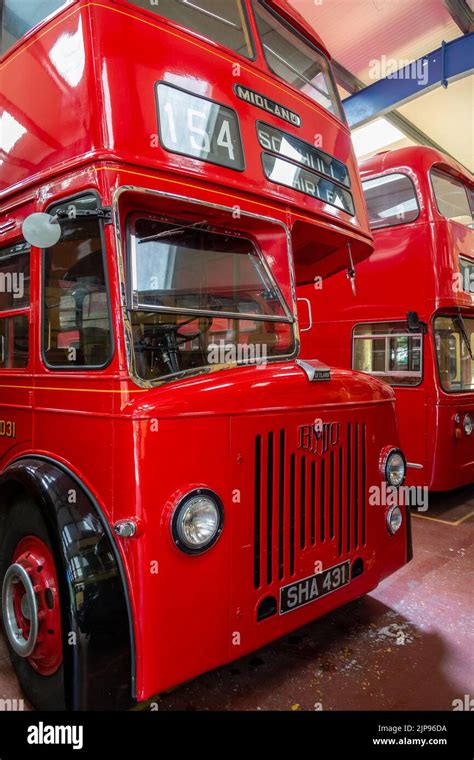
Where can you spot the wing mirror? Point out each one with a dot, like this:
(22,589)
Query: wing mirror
(41,230)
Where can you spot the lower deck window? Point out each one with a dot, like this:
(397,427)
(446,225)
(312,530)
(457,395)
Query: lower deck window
(388,350)
(14,298)
(14,342)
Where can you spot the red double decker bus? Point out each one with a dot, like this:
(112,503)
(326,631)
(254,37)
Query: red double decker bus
(411,322)
(177,486)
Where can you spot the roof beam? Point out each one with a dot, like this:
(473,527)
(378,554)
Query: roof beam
(411,130)
(352,84)
(452,61)
(462,14)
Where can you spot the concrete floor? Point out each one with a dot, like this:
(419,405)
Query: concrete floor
(406,646)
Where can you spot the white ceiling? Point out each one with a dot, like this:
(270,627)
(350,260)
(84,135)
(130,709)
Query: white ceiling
(359,32)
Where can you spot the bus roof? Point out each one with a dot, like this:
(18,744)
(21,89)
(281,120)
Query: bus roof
(416,157)
(284,9)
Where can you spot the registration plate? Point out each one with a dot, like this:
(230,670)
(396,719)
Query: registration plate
(309,589)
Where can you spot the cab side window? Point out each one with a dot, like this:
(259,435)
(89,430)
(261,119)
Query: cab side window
(14,306)
(19,16)
(76,319)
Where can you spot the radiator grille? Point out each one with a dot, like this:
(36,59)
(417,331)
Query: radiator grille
(303,501)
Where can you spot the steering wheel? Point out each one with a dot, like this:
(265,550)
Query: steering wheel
(169,339)
(181,339)
(173,328)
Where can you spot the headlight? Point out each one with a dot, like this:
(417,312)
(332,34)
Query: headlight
(197,521)
(468,424)
(395,468)
(394,520)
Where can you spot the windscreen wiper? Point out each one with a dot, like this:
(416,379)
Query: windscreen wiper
(351,272)
(459,321)
(71,213)
(175,231)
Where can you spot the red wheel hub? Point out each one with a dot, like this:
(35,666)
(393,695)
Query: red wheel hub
(36,559)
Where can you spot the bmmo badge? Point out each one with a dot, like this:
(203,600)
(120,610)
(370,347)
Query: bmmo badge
(318,438)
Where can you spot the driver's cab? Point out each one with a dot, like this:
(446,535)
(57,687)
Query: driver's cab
(200,291)
(204,289)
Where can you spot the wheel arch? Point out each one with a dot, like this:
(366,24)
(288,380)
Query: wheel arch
(98,634)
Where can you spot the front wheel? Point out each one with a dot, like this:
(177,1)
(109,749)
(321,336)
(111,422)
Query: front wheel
(31,614)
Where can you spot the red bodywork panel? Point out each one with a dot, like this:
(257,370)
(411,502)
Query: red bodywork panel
(105,103)
(411,269)
(88,122)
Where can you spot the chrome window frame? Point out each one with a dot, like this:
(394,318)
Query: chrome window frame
(444,315)
(135,305)
(338,112)
(93,193)
(121,252)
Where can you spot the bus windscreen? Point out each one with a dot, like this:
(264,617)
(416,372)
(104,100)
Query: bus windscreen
(454,338)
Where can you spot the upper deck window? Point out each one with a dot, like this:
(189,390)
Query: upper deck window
(225,23)
(391,200)
(296,61)
(453,198)
(19,16)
